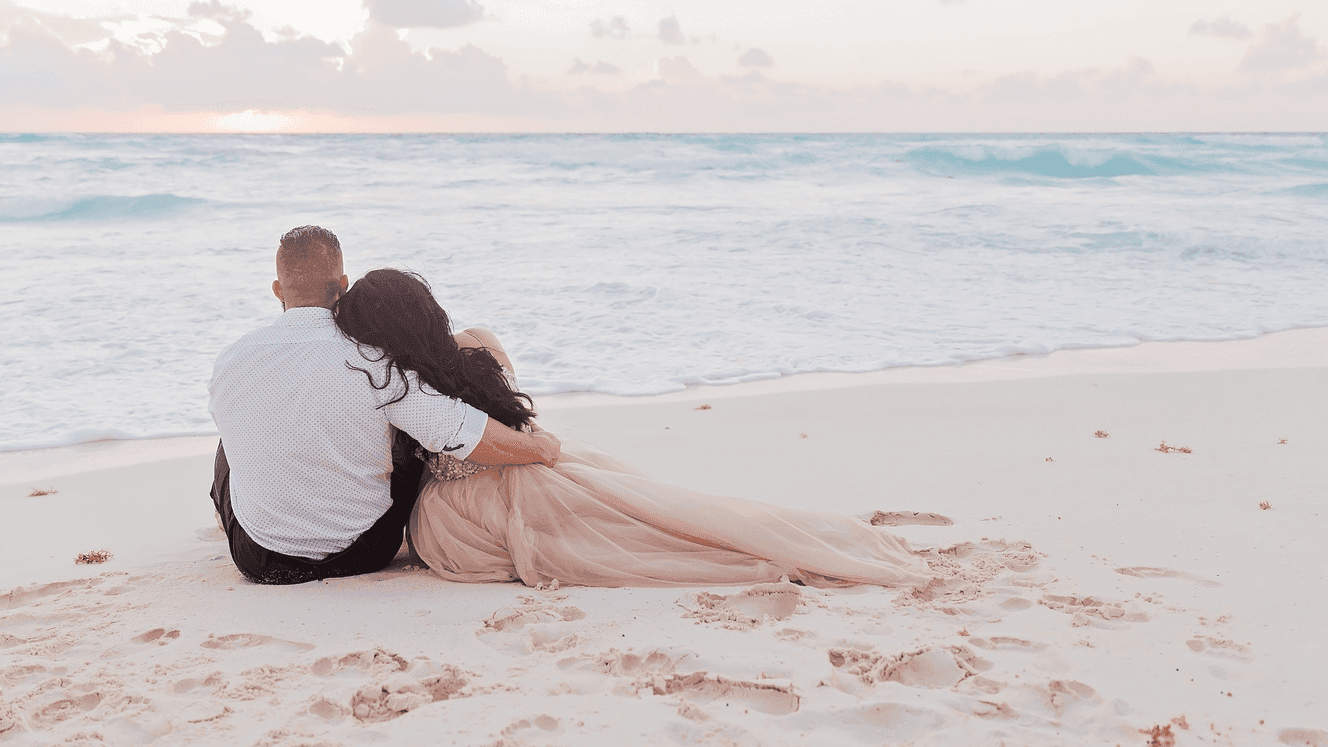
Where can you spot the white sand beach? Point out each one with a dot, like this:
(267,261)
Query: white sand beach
(1114,594)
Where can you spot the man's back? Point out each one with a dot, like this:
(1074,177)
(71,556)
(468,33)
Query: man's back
(309,440)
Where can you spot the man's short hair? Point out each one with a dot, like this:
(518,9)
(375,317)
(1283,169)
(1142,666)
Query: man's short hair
(309,262)
(304,241)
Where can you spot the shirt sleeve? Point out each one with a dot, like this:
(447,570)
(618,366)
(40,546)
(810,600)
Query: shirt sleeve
(440,423)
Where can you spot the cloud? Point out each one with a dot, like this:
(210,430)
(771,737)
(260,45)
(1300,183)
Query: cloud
(437,14)
(670,32)
(218,62)
(755,58)
(214,9)
(1223,26)
(1137,77)
(614,28)
(1029,88)
(1281,46)
(71,31)
(243,71)
(599,68)
(678,71)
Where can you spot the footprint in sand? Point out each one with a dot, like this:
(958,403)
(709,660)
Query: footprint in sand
(931,668)
(625,663)
(656,672)
(248,640)
(156,636)
(12,677)
(10,641)
(1016,604)
(1060,693)
(1094,611)
(402,693)
(1220,648)
(396,686)
(1141,571)
(1006,643)
(1303,737)
(772,697)
(543,722)
(529,613)
(21,595)
(534,625)
(62,709)
(159,636)
(375,663)
(749,608)
(908,518)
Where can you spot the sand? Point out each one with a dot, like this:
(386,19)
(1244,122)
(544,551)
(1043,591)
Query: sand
(1112,593)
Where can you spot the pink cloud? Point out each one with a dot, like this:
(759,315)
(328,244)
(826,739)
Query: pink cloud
(1281,46)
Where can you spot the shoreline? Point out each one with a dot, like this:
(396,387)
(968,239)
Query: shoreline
(1305,347)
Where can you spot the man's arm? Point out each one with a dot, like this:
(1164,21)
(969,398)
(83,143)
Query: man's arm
(503,446)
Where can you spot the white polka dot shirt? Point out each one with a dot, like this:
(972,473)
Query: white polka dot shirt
(309,449)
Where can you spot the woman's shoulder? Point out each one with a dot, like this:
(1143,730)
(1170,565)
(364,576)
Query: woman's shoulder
(482,337)
(478,337)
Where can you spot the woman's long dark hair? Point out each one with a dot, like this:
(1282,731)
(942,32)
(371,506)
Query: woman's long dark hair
(395,312)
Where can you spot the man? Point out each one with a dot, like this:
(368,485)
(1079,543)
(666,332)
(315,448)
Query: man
(304,479)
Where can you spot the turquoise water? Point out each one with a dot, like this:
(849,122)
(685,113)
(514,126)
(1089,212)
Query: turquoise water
(638,264)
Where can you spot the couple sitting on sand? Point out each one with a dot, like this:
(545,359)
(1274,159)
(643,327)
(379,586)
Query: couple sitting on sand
(358,414)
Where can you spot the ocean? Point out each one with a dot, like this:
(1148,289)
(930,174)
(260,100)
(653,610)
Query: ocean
(642,264)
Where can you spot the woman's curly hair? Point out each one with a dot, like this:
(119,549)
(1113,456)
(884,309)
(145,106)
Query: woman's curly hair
(395,313)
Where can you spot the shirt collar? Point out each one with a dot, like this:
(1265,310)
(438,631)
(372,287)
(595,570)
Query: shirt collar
(305,316)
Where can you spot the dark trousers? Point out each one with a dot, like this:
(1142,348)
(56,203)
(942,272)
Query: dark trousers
(370,552)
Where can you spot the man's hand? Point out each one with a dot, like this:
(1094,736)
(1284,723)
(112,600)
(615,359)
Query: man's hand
(550,447)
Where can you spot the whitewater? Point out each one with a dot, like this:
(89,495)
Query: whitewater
(642,264)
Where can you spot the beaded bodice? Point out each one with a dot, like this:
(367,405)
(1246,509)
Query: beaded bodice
(448,467)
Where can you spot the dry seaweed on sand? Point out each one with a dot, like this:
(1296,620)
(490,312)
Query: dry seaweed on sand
(40,492)
(94,557)
(1168,449)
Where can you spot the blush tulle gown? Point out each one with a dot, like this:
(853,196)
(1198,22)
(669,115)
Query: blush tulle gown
(594,520)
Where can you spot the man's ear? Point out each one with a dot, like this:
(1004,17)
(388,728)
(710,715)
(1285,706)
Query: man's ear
(276,290)
(345,283)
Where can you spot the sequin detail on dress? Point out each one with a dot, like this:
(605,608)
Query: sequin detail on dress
(445,467)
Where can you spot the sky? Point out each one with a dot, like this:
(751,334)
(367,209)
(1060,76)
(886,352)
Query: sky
(618,65)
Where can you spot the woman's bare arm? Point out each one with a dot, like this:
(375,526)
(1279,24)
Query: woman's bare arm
(479,337)
(502,446)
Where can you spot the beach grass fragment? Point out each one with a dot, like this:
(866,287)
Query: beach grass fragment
(703,407)
(94,557)
(1281,441)
(39,492)
(1168,449)
(1100,434)
(1265,505)
(802,435)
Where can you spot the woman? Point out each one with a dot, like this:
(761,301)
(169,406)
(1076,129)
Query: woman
(592,519)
